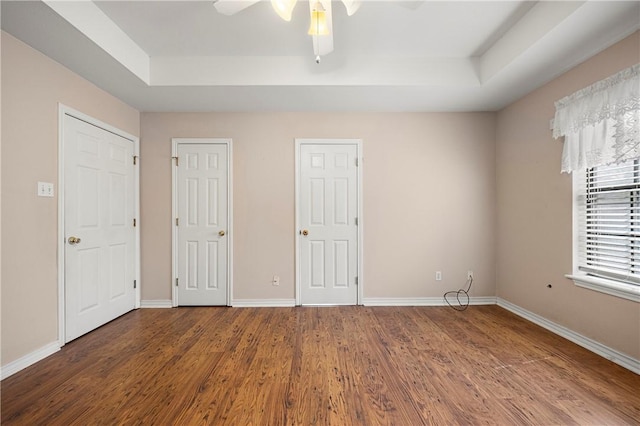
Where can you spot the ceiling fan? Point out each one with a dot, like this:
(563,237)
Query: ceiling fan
(321,26)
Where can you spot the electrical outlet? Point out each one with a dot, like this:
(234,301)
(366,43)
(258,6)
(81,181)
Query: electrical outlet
(469,275)
(45,189)
(275,280)
(438,275)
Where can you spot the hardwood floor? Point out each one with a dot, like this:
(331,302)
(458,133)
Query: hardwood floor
(328,366)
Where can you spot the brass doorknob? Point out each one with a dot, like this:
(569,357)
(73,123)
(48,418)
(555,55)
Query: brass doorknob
(73,240)
(305,232)
(221,233)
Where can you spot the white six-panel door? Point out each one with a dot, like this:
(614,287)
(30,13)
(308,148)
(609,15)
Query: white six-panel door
(202,223)
(328,223)
(99,206)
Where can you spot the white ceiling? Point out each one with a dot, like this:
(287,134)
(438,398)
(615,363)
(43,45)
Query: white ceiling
(388,56)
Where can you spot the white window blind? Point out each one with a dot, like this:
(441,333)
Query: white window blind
(609,222)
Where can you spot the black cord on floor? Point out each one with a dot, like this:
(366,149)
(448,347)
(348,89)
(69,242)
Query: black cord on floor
(464,303)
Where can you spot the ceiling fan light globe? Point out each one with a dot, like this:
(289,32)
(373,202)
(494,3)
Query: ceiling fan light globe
(318,24)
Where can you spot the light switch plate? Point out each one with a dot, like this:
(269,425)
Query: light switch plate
(45,189)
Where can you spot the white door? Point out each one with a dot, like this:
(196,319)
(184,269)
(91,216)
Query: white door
(98,226)
(202,223)
(328,219)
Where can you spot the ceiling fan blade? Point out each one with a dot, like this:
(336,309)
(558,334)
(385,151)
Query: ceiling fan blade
(284,8)
(230,7)
(352,6)
(323,44)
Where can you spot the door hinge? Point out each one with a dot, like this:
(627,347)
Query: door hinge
(176,158)
(176,282)
(356,280)
(177,221)
(135,160)
(356,221)
(134,223)
(357,162)
(135,284)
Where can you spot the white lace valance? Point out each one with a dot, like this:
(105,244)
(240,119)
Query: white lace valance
(600,123)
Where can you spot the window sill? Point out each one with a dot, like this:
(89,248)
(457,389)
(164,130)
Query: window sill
(613,288)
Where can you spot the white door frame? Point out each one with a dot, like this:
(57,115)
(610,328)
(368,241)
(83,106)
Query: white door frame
(62,112)
(174,211)
(359,157)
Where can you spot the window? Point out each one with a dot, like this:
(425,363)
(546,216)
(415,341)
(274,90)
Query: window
(607,228)
(600,125)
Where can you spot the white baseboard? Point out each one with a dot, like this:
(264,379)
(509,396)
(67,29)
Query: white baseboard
(263,303)
(29,359)
(619,358)
(156,304)
(422,301)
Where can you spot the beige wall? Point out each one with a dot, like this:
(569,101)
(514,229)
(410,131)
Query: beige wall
(429,198)
(1,34)
(534,213)
(32,86)
(431,201)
